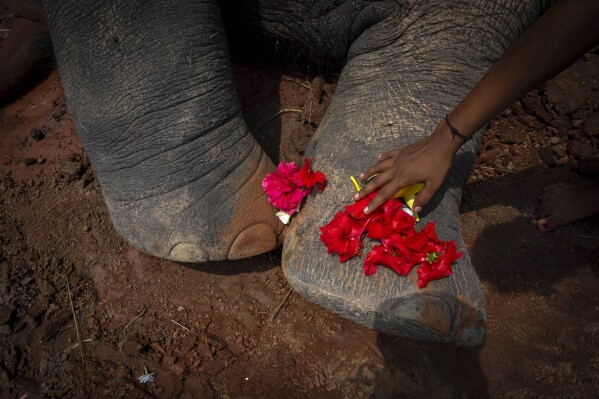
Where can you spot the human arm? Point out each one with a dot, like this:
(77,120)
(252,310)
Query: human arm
(565,32)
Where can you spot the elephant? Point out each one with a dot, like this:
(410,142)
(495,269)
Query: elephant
(150,90)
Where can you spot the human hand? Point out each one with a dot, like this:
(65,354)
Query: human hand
(427,161)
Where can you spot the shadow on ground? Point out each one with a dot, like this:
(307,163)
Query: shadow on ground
(509,252)
(419,369)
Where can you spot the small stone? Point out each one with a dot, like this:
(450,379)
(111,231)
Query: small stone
(512,133)
(554,140)
(216,343)
(489,157)
(41,160)
(533,102)
(46,288)
(86,229)
(580,149)
(527,120)
(70,170)
(560,150)
(188,343)
(29,161)
(562,125)
(180,308)
(548,156)
(576,123)
(37,134)
(39,307)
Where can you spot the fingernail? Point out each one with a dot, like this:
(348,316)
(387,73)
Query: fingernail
(417,209)
(362,176)
(366,210)
(356,196)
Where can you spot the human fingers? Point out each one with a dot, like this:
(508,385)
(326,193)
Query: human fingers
(389,154)
(383,195)
(425,195)
(374,183)
(377,168)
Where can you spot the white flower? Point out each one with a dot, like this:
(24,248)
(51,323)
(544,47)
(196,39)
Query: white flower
(146,378)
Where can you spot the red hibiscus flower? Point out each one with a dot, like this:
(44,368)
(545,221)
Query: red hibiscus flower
(343,236)
(310,178)
(392,220)
(438,258)
(356,210)
(392,253)
(401,248)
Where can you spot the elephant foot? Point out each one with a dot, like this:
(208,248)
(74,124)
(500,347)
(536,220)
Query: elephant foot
(231,221)
(447,310)
(383,116)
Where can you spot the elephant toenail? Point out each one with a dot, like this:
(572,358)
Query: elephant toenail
(254,240)
(186,252)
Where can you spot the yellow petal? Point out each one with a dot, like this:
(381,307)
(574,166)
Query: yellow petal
(409,191)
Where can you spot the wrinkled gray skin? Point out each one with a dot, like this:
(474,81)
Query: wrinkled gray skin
(151,93)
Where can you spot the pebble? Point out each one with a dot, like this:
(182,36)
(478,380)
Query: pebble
(580,149)
(180,309)
(46,288)
(37,134)
(554,140)
(576,122)
(560,150)
(548,156)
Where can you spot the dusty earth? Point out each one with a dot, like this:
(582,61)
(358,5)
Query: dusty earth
(228,329)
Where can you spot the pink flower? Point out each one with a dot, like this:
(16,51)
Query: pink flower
(285,188)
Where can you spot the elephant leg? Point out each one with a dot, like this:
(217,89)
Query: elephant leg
(25,48)
(403,74)
(151,93)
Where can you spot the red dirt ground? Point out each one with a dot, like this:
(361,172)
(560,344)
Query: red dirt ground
(212,330)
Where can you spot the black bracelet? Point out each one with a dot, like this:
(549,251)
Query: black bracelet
(454,131)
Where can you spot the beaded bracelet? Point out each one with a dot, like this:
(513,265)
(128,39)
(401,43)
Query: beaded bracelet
(454,131)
